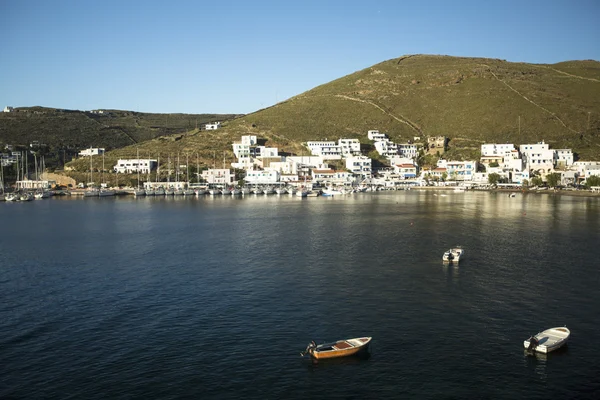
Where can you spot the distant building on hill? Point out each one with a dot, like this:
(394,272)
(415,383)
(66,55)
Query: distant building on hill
(135,165)
(92,151)
(212,127)
(8,109)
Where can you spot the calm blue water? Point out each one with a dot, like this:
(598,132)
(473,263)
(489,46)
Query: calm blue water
(215,297)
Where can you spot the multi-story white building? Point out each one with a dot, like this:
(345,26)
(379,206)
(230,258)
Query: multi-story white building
(330,176)
(564,157)
(262,176)
(218,176)
(405,171)
(459,170)
(407,150)
(135,165)
(494,149)
(8,109)
(386,148)
(360,165)
(349,147)
(375,135)
(538,157)
(92,151)
(329,150)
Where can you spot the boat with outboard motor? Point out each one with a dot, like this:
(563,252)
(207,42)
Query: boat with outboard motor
(453,255)
(341,348)
(548,340)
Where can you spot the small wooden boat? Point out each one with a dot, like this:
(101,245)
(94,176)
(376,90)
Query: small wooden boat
(453,255)
(548,340)
(341,348)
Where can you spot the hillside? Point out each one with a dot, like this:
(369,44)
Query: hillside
(470,100)
(72,130)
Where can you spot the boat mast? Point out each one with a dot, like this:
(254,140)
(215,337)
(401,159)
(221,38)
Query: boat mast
(137,163)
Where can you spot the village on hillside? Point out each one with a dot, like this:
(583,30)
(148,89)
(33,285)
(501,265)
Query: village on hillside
(343,165)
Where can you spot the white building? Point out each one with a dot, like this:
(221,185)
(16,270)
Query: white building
(360,165)
(496,149)
(386,148)
(538,157)
(405,171)
(349,147)
(262,177)
(8,109)
(458,170)
(327,149)
(407,150)
(375,135)
(218,176)
(327,176)
(564,157)
(212,127)
(135,165)
(91,152)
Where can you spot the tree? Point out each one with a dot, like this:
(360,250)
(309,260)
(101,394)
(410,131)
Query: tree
(536,181)
(494,164)
(593,180)
(493,178)
(553,179)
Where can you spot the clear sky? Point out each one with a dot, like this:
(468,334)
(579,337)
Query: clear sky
(238,56)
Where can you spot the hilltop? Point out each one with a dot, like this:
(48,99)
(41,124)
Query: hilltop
(469,100)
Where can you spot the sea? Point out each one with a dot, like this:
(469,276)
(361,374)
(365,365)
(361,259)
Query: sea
(216,297)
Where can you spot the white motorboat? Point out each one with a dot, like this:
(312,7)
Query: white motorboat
(331,192)
(453,255)
(548,340)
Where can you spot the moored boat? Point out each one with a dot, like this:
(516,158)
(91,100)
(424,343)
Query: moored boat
(548,340)
(453,255)
(341,348)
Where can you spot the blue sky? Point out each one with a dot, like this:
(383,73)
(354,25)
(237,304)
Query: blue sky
(233,56)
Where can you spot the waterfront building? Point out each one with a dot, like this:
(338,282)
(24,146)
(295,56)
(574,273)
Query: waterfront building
(459,170)
(405,171)
(262,177)
(538,157)
(218,176)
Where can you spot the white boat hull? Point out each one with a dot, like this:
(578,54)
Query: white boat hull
(550,339)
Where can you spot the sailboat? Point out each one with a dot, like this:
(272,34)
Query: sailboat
(138,191)
(149,190)
(188,191)
(91,190)
(104,191)
(159,191)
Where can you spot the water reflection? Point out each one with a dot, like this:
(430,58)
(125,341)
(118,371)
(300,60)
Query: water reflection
(313,364)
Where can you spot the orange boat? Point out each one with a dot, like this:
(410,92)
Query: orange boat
(341,348)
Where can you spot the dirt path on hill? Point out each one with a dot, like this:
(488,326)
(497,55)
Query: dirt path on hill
(527,99)
(574,76)
(400,119)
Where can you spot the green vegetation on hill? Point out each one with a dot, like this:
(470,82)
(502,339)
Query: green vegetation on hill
(471,101)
